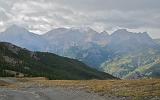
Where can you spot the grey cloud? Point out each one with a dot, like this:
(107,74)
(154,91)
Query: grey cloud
(112,4)
(128,20)
(42,15)
(3,15)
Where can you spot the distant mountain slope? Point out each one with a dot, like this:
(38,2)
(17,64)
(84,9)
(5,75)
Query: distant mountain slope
(93,55)
(61,40)
(133,66)
(17,61)
(124,42)
(131,54)
(23,38)
(157,41)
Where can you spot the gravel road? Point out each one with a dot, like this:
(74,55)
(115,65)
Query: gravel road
(47,94)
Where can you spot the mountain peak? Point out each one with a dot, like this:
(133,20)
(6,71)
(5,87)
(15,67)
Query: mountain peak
(104,32)
(145,33)
(124,32)
(121,34)
(84,29)
(121,31)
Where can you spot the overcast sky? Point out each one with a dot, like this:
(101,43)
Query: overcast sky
(43,15)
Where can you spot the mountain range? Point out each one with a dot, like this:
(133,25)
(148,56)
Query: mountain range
(123,54)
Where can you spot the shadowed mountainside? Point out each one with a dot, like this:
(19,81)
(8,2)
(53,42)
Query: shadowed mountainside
(16,61)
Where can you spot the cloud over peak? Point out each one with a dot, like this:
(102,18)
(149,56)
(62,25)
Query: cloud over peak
(43,15)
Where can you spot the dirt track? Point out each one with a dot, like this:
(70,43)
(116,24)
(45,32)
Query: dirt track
(47,94)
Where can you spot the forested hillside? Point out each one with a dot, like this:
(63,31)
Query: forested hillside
(15,61)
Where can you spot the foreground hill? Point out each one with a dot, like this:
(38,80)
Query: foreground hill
(15,61)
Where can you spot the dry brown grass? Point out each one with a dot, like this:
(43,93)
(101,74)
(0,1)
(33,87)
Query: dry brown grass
(113,87)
